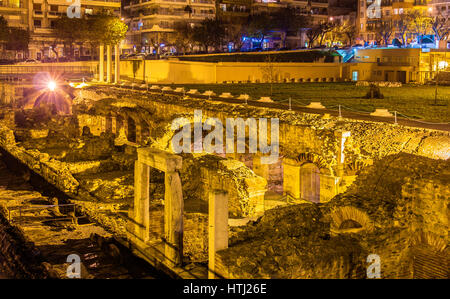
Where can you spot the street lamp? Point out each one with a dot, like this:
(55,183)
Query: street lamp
(51,85)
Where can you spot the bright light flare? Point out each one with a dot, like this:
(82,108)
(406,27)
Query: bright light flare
(51,85)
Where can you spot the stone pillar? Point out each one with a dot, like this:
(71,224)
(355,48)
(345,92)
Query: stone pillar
(101,63)
(341,138)
(173,219)
(291,178)
(125,126)
(138,134)
(141,201)
(260,169)
(113,124)
(117,64)
(108,63)
(218,228)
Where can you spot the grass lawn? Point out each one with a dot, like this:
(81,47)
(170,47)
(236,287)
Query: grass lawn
(289,56)
(415,101)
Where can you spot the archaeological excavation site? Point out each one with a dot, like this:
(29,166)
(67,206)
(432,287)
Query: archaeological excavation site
(127,181)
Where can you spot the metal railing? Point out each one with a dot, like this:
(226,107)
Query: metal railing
(32,69)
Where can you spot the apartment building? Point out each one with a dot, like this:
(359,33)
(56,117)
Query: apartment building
(439,7)
(399,65)
(38,16)
(317,9)
(41,20)
(371,13)
(151,21)
(15,12)
(236,11)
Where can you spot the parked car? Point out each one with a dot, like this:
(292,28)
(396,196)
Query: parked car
(167,55)
(48,59)
(29,61)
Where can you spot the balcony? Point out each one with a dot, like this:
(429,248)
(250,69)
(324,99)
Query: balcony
(55,14)
(11,5)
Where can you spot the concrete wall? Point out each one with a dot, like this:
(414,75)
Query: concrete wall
(188,72)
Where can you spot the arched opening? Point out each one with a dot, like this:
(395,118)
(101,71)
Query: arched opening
(310,182)
(145,132)
(349,224)
(131,130)
(119,123)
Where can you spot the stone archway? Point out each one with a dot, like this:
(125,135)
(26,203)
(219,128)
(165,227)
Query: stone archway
(310,182)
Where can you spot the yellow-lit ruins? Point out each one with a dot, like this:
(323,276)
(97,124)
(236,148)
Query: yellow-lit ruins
(91,170)
(282,155)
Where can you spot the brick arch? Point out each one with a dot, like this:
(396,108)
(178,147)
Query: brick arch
(430,239)
(349,214)
(316,159)
(355,167)
(313,158)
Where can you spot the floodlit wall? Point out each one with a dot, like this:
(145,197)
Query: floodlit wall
(188,72)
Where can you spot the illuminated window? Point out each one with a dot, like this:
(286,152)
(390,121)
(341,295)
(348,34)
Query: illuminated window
(355,76)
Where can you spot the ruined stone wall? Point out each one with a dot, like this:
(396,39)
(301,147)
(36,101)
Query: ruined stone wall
(18,258)
(430,204)
(302,132)
(207,173)
(50,169)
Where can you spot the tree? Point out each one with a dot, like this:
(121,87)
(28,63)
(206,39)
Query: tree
(313,34)
(67,31)
(402,26)
(325,27)
(12,38)
(4,32)
(260,26)
(420,24)
(18,39)
(104,28)
(336,33)
(234,33)
(288,22)
(184,36)
(350,32)
(210,33)
(384,31)
(440,26)
(113,30)
(270,72)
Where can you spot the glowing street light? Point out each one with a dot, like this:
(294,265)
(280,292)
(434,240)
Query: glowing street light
(51,85)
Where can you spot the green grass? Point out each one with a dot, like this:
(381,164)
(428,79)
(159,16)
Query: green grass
(291,56)
(415,101)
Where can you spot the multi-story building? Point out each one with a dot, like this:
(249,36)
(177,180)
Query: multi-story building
(441,10)
(233,10)
(317,9)
(38,16)
(15,12)
(372,13)
(155,19)
(439,7)
(151,21)
(399,65)
(41,20)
